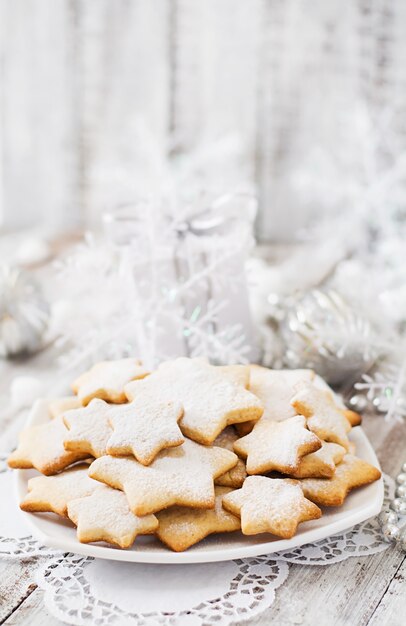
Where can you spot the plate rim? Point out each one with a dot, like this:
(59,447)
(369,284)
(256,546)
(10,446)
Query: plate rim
(217,555)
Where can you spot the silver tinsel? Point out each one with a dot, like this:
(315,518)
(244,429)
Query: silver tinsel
(323,332)
(24,313)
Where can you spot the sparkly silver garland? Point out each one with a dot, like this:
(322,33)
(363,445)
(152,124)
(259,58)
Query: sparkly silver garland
(389,518)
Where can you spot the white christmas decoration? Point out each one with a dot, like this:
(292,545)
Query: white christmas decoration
(161,284)
(386,389)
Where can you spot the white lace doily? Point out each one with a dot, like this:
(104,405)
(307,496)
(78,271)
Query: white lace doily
(84,591)
(187,595)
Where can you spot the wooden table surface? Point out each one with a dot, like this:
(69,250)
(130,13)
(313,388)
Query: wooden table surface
(356,592)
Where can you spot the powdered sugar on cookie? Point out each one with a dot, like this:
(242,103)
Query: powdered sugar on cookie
(42,447)
(182,527)
(106,516)
(270,505)
(277,445)
(88,428)
(182,476)
(144,427)
(211,400)
(53,493)
(322,463)
(351,473)
(275,389)
(324,418)
(106,380)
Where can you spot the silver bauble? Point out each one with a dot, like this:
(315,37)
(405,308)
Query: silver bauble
(399,506)
(390,532)
(387,517)
(401,478)
(24,313)
(401,491)
(322,332)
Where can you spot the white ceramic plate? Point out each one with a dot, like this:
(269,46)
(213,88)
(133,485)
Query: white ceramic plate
(57,533)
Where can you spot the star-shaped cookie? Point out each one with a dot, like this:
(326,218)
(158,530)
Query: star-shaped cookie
(270,505)
(324,418)
(277,445)
(58,406)
(51,494)
(144,427)
(106,380)
(181,527)
(237,373)
(182,476)
(275,389)
(354,418)
(88,428)
(42,447)
(322,463)
(211,399)
(236,475)
(351,473)
(106,516)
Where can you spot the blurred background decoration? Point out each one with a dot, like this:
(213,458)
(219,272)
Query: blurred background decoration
(173,106)
(162,283)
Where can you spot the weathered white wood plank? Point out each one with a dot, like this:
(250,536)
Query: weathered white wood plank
(124,52)
(32,612)
(324,69)
(16,583)
(39,130)
(334,595)
(389,441)
(391,609)
(216,62)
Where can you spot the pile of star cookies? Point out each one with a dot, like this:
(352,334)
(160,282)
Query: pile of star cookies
(189,450)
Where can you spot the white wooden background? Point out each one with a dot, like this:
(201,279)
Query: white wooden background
(89,89)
